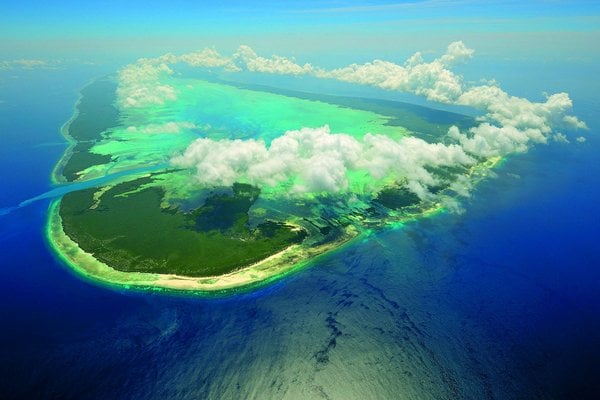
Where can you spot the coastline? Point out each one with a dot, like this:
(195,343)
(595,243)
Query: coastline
(84,264)
(267,270)
(273,267)
(56,176)
(291,259)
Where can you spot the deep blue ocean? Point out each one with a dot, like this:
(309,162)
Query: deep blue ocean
(499,302)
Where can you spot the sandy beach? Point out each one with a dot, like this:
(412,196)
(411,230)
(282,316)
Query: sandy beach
(272,267)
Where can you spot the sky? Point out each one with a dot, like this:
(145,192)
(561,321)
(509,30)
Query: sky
(552,42)
(104,29)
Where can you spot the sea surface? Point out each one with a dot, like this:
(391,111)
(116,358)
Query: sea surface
(501,301)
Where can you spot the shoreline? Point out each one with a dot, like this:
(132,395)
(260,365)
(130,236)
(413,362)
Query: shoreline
(56,176)
(272,268)
(276,266)
(293,258)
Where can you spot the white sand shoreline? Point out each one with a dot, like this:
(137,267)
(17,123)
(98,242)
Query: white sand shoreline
(276,265)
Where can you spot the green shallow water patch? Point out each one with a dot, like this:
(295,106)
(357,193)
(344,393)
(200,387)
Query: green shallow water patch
(153,134)
(244,113)
(219,111)
(421,121)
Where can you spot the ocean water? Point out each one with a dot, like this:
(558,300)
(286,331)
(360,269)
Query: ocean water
(499,302)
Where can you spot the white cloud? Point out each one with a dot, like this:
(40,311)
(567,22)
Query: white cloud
(273,65)
(560,137)
(516,111)
(456,53)
(574,122)
(409,159)
(581,139)
(209,58)
(432,80)
(487,140)
(139,84)
(221,163)
(511,124)
(314,160)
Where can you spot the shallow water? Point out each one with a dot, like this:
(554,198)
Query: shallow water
(501,301)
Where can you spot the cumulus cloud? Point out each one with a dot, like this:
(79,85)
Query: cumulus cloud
(512,124)
(314,160)
(456,53)
(209,58)
(581,139)
(139,84)
(516,111)
(574,122)
(273,65)
(432,80)
(487,140)
(411,159)
(561,138)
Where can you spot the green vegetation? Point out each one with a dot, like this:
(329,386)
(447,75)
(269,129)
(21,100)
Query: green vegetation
(96,114)
(395,198)
(81,159)
(128,230)
(166,224)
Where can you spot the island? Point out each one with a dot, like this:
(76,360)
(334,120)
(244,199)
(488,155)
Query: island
(151,222)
